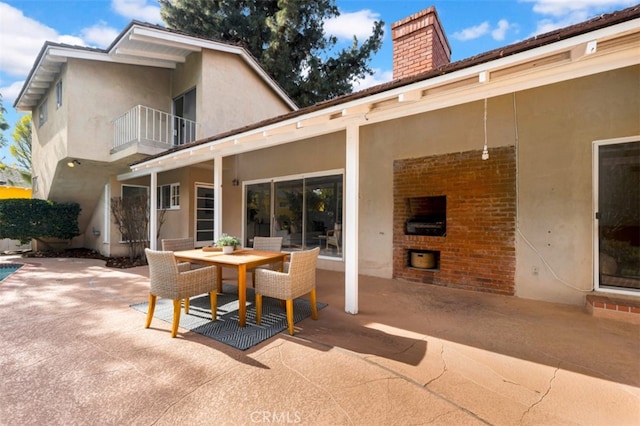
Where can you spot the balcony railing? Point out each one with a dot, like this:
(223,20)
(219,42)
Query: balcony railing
(142,124)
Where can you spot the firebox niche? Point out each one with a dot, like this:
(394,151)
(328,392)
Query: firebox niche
(427,216)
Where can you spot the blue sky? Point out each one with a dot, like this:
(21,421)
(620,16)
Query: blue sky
(472,27)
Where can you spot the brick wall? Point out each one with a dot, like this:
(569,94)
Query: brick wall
(478,251)
(419,44)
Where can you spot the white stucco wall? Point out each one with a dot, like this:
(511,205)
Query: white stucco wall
(557,126)
(232,95)
(99,92)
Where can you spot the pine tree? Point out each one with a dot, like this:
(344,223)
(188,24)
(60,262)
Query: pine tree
(287,38)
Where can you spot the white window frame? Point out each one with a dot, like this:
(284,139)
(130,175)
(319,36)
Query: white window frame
(174,197)
(42,112)
(595,207)
(106,233)
(58,94)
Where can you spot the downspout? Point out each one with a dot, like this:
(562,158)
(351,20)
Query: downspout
(350,227)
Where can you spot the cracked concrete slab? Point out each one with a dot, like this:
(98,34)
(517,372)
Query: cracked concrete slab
(73,352)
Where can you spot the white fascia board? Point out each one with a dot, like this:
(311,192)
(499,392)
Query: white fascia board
(137,34)
(151,35)
(105,57)
(150,55)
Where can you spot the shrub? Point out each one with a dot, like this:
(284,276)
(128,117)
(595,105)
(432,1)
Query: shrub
(25,219)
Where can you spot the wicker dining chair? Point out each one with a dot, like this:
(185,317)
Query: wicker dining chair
(298,279)
(177,244)
(266,244)
(175,281)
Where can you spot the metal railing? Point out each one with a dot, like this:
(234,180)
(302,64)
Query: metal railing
(144,124)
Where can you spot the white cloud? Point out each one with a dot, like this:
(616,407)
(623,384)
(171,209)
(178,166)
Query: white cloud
(100,34)
(500,32)
(141,10)
(562,13)
(379,76)
(562,8)
(10,93)
(472,33)
(21,39)
(347,25)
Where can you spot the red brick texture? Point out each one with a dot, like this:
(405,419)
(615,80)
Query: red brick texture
(478,250)
(419,44)
(614,303)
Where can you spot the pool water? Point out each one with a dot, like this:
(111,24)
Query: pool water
(8,269)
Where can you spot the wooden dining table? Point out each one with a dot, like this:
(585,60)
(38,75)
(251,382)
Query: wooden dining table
(241,259)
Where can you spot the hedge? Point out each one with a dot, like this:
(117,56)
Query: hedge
(26,219)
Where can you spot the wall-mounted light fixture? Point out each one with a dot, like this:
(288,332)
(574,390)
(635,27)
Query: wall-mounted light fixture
(96,232)
(73,163)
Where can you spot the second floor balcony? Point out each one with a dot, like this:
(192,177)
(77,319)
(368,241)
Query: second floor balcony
(150,131)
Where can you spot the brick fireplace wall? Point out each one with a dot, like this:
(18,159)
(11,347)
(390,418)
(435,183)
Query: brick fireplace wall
(478,250)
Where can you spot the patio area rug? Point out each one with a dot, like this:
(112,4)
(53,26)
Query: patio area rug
(226,328)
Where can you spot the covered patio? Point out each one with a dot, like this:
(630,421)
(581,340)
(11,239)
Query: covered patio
(75,352)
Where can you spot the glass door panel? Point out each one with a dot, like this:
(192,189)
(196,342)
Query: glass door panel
(323,199)
(258,212)
(204,216)
(619,215)
(289,213)
(184,111)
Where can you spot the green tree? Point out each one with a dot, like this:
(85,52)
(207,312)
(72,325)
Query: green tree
(3,124)
(286,36)
(21,147)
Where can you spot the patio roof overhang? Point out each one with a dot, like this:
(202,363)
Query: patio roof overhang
(594,52)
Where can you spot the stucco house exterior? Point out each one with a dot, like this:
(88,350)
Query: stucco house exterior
(507,172)
(98,110)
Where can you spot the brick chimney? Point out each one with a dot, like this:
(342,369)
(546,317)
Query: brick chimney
(419,44)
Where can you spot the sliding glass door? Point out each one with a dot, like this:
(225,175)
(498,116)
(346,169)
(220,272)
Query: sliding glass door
(303,211)
(618,216)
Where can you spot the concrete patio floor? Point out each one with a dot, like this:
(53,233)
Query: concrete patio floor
(73,352)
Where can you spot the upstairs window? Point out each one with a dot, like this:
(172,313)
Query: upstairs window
(59,94)
(42,112)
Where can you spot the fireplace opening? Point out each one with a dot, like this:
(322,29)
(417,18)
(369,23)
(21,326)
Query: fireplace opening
(427,216)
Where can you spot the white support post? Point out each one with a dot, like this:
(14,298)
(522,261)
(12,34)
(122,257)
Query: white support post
(217,196)
(350,227)
(153,211)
